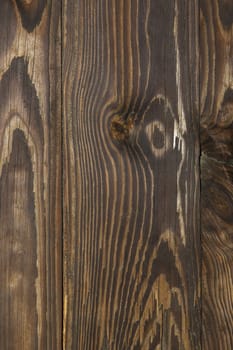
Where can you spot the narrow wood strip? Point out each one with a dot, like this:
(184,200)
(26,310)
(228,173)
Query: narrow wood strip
(30,176)
(216,52)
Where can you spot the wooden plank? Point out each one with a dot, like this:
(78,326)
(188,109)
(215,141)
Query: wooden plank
(216,52)
(30,175)
(131,182)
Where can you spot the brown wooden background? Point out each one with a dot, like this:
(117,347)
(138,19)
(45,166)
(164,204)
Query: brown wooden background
(116,174)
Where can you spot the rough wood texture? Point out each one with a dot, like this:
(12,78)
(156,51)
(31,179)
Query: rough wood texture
(216,52)
(131,188)
(30,176)
(131,174)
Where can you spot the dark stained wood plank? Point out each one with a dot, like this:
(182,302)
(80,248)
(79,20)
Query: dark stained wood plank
(216,53)
(131,181)
(30,176)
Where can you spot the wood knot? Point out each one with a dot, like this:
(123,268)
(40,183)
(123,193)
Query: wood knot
(225,116)
(121,127)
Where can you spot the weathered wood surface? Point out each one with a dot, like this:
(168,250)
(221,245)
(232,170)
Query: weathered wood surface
(131,109)
(131,181)
(216,110)
(30,176)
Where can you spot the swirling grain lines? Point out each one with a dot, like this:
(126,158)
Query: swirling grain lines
(216,133)
(14,119)
(116,227)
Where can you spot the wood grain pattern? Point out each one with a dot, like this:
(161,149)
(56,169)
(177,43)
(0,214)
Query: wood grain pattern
(216,52)
(30,176)
(130,195)
(131,181)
